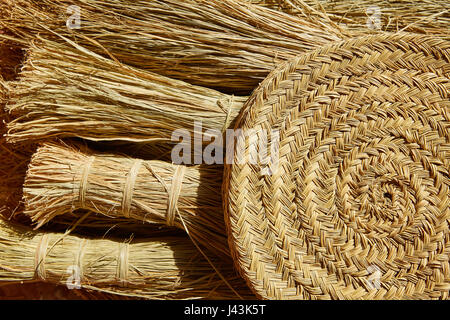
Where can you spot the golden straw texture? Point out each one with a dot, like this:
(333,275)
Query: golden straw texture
(419,16)
(13,164)
(15,158)
(71,92)
(358,206)
(225,44)
(61,179)
(157,268)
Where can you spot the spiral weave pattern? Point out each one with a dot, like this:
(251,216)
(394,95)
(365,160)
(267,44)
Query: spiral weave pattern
(358,206)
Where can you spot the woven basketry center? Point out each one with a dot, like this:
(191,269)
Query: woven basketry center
(362,181)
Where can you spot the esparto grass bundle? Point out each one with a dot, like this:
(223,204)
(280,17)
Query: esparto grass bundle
(224,44)
(14,161)
(13,165)
(69,91)
(61,179)
(156,268)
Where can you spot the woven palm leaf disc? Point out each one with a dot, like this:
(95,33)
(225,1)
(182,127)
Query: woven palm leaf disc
(359,205)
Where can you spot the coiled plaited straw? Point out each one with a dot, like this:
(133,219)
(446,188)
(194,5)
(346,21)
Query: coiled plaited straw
(62,178)
(359,205)
(154,267)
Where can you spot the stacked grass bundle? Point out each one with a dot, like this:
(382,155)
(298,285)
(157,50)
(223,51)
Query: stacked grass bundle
(61,179)
(68,91)
(15,159)
(166,268)
(13,165)
(225,44)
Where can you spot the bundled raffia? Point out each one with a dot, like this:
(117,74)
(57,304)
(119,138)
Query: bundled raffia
(68,91)
(15,159)
(225,44)
(13,166)
(61,178)
(157,268)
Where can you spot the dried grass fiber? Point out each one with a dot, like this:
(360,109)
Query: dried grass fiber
(422,16)
(166,268)
(66,91)
(225,44)
(61,179)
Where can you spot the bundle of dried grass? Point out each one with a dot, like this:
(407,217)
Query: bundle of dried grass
(14,161)
(167,268)
(224,44)
(68,91)
(422,16)
(15,158)
(61,179)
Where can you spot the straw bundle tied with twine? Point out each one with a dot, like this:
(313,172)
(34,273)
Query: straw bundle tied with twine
(204,280)
(362,181)
(157,268)
(61,178)
(224,44)
(14,163)
(17,285)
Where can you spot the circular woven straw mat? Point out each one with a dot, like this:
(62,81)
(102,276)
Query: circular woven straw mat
(358,204)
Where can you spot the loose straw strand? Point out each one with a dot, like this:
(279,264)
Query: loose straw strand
(129,187)
(178,177)
(122,263)
(209,260)
(84,181)
(39,261)
(174,194)
(228,118)
(79,257)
